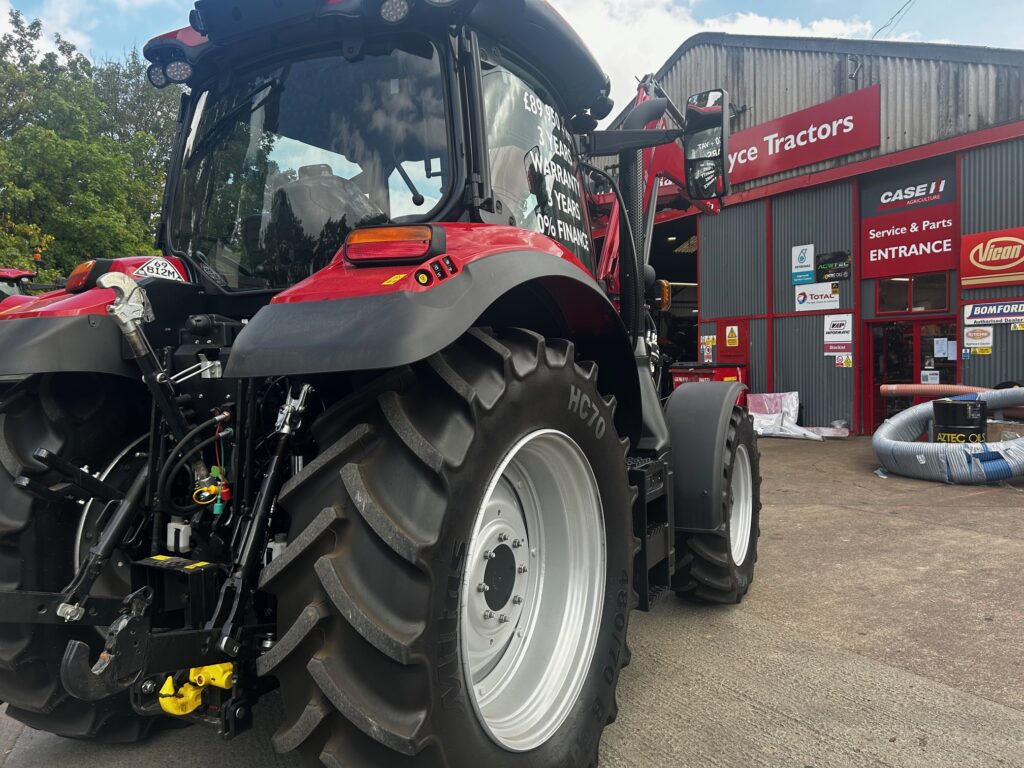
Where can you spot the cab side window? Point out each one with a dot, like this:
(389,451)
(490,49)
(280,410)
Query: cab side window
(534,171)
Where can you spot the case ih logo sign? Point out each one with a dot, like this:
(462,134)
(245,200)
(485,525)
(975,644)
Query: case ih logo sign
(835,128)
(992,258)
(911,220)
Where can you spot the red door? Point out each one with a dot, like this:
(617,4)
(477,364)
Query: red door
(908,352)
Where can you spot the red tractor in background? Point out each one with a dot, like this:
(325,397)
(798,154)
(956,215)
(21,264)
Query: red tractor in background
(379,427)
(15,282)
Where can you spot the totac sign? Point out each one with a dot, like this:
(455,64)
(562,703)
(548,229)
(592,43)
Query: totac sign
(834,128)
(992,258)
(816,296)
(910,220)
(1003,312)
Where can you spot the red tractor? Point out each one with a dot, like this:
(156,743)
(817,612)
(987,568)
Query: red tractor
(14,282)
(379,427)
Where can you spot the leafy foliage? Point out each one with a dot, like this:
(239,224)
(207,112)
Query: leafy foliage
(83,151)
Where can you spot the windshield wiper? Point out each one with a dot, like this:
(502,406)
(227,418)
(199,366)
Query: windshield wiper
(226,122)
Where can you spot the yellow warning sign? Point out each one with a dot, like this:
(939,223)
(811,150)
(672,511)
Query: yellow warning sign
(1017,327)
(982,350)
(732,335)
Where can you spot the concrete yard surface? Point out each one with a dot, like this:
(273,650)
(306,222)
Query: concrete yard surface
(885,627)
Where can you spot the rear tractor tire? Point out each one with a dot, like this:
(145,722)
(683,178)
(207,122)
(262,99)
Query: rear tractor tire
(719,567)
(457,584)
(85,419)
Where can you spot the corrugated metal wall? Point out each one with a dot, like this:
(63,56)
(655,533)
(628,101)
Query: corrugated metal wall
(822,216)
(758,370)
(991,198)
(826,392)
(732,256)
(923,99)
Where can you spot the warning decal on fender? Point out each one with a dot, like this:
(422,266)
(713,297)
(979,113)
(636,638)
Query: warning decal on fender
(159,267)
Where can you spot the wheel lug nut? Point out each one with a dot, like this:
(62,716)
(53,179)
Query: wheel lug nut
(522,569)
(503,619)
(517,543)
(481,587)
(517,600)
(502,537)
(488,615)
(488,555)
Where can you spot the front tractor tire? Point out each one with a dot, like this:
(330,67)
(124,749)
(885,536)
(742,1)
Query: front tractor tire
(719,567)
(457,583)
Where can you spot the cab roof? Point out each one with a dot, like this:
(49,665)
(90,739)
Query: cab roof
(531,29)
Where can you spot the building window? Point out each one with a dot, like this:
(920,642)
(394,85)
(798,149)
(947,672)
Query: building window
(921,293)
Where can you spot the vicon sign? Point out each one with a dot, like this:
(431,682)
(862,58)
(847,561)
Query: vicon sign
(992,258)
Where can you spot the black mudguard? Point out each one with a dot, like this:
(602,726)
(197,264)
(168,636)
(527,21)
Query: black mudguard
(89,343)
(698,422)
(522,288)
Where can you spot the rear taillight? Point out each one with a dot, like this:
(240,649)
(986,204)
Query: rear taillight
(81,277)
(394,245)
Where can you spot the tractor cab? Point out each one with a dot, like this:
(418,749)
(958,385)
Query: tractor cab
(306,121)
(14,282)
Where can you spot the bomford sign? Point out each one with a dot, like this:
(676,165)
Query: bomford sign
(834,128)
(992,258)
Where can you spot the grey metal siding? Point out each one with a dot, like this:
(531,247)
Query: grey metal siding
(732,262)
(867,300)
(923,99)
(990,199)
(990,187)
(822,216)
(758,369)
(826,392)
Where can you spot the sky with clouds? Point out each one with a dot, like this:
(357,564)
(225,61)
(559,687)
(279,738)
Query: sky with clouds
(630,37)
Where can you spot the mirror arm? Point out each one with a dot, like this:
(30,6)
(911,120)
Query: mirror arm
(600,143)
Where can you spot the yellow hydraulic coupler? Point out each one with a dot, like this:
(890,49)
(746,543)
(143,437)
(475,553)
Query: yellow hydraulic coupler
(187,699)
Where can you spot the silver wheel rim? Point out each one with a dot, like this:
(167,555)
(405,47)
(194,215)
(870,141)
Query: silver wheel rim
(742,513)
(533,591)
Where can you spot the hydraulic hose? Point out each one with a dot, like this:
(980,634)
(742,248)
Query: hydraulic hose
(896,445)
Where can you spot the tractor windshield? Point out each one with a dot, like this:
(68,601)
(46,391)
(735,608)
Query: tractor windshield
(282,163)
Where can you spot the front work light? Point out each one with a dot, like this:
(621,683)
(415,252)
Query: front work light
(178,71)
(394,11)
(157,78)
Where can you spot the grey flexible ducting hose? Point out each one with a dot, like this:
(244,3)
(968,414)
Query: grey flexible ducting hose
(968,463)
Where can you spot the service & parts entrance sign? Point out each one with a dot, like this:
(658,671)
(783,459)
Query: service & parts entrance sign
(992,258)
(834,128)
(910,220)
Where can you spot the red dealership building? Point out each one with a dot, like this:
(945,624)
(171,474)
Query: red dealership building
(875,230)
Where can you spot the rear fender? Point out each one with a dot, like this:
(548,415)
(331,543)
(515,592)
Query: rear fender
(522,288)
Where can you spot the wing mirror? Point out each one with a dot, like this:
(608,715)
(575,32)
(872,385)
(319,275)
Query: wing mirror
(706,145)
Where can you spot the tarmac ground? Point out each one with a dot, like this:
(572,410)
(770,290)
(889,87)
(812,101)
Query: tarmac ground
(885,627)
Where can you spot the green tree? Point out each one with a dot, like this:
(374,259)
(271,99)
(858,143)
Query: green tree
(83,149)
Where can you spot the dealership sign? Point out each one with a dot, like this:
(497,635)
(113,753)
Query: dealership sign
(992,258)
(816,296)
(835,128)
(838,335)
(910,220)
(1003,312)
(803,264)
